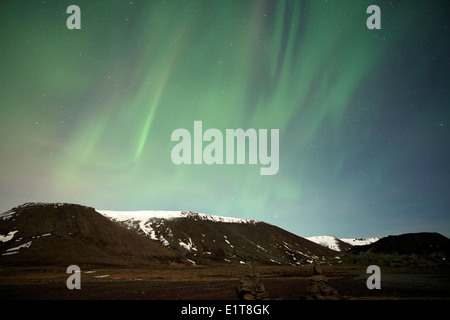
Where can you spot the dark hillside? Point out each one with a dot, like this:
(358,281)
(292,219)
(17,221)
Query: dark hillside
(49,234)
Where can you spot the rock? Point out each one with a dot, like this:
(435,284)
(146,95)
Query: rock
(317,269)
(319,289)
(250,287)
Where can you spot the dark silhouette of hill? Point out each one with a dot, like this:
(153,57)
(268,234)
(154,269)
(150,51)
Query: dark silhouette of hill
(55,234)
(421,244)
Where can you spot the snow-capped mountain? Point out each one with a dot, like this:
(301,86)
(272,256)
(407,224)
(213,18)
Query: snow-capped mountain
(205,238)
(62,233)
(341,245)
(330,242)
(360,241)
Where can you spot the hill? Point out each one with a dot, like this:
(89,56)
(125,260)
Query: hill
(65,234)
(422,244)
(58,233)
(209,239)
(422,249)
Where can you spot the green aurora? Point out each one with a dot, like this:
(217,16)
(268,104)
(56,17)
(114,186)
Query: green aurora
(86,115)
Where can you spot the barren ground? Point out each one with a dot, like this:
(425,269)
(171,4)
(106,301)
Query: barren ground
(214,283)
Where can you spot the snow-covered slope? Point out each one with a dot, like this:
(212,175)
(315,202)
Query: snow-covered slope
(148,219)
(360,241)
(208,239)
(326,241)
(330,242)
(341,244)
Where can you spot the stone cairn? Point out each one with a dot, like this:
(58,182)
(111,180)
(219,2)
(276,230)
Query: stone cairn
(250,288)
(319,289)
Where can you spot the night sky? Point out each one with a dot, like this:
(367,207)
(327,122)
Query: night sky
(86,116)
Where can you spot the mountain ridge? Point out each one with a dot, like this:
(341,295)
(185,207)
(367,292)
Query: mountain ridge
(64,233)
(205,239)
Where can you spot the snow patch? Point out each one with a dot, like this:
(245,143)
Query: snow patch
(7,215)
(259,247)
(275,261)
(163,241)
(228,242)
(188,246)
(16,249)
(9,253)
(9,236)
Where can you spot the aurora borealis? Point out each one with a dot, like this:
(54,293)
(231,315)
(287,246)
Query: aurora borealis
(86,116)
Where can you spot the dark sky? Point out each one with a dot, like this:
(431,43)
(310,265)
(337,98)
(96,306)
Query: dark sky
(86,116)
